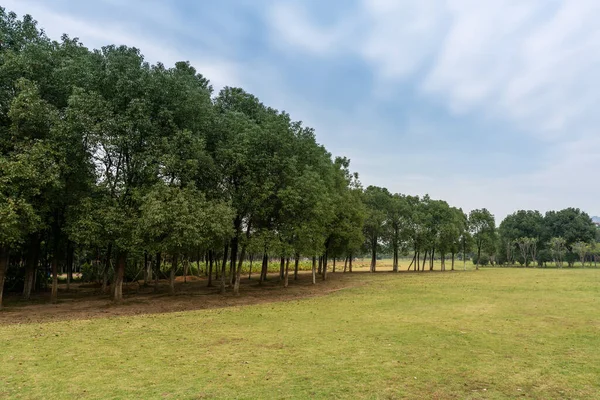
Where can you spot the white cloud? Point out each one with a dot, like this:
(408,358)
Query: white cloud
(531,64)
(293,27)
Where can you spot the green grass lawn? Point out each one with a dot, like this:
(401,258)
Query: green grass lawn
(490,334)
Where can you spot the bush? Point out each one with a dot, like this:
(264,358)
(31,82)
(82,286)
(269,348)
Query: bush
(483,260)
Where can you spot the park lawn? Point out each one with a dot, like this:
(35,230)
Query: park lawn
(488,334)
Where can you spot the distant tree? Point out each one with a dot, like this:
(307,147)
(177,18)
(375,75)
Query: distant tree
(571,224)
(377,201)
(482,227)
(581,249)
(558,249)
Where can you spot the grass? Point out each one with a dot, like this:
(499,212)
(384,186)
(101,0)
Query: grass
(490,334)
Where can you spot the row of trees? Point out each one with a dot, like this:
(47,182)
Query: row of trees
(527,237)
(124,165)
(104,154)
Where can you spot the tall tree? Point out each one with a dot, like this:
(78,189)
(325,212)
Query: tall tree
(482,226)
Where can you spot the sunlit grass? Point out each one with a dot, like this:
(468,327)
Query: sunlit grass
(495,333)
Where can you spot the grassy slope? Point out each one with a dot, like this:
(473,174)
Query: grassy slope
(496,333)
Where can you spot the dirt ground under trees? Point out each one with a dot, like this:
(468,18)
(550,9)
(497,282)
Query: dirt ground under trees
(85,301)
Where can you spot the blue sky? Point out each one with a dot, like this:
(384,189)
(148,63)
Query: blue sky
(481,103)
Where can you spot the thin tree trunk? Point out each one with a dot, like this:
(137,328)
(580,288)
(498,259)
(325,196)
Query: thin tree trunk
(186,267)
(350,263)
(250,272)
(157,272)
(314,270)
(452,261)
(172,272)
(296,265)
(145,268)
(287,267)
(333,270)
(374,254)
(198,264)
(320,271)
(233,260)
(264,268)
(4,254)
(479,257)
(238,277)
(282,269)
(70,251)
(418,264)
(431,259)
(345,264)
(424,261)
(31,266)
(413,261)
(54,293)
(106,268)
(223,268)
(119,273)
(210,268)
(325,266)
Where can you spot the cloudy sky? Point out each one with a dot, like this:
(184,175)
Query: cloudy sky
(481,103)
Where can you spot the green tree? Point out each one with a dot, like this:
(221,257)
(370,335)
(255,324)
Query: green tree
(482,227)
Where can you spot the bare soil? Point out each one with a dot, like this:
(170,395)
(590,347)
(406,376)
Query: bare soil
(86,301)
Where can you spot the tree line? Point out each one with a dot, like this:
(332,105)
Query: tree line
(126,167)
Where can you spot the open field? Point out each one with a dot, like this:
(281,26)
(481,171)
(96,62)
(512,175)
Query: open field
(491,334)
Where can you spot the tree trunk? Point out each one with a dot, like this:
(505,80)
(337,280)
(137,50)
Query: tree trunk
(287,267)
(452,261)
(264,268)
(119,273)
(345,264)
(238,277)
(374,254)
(233,260)
(146,268)
(106,268)
(424,261)
(417,265)
(54,293)
(350,263)
(157,272)
(333,270)
(4,253)
(172,272)
(314,270)
(413,261)
(198,264)
(250,272)
(479,257)
(31,265)
(70,254)
(210,268)
(224,268)
(325,266)
(431,259)
(320,270)
(282,269)
(186,265)
(296,265)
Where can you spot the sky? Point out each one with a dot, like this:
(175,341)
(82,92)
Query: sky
(480,103)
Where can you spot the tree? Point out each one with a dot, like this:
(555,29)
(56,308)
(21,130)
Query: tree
(558,248)
(377,201)
(396,226)
(482,227)
(581,249)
